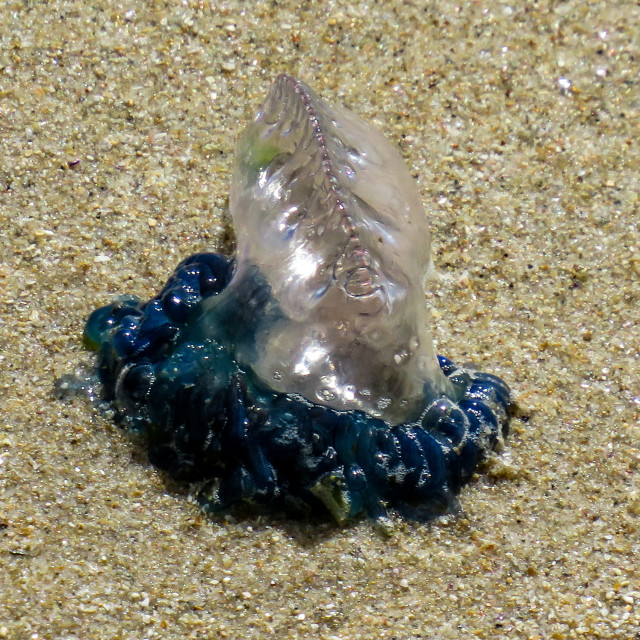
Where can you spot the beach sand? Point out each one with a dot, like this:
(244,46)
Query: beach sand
(520,124)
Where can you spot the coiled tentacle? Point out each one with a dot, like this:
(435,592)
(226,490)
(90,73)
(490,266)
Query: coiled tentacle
(205,418)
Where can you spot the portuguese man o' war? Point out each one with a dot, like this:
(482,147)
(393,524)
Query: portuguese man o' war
(299,375)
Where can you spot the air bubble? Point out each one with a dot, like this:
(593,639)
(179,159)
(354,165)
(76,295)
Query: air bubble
(325,395)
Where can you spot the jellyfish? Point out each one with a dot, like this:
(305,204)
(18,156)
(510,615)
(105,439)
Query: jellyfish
(299,375)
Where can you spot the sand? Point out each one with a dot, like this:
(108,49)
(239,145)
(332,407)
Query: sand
(520,123)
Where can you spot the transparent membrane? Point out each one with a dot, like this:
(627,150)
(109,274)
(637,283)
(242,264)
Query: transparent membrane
(327,300)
